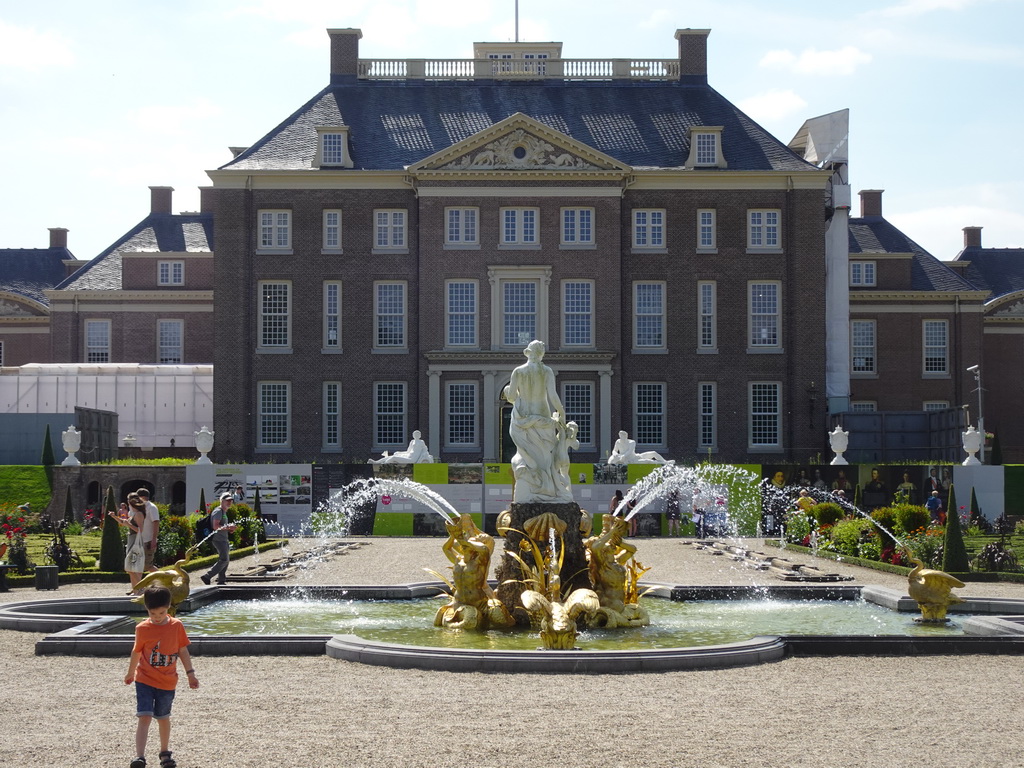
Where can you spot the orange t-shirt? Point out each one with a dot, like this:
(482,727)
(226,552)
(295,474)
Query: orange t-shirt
(159,645)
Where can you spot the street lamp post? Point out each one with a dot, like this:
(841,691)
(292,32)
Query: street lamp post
(976,370)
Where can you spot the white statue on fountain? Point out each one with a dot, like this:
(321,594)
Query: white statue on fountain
(624,452)
(539,431)
(416,453)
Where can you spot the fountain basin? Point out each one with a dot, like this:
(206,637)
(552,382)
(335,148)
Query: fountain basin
(102,627)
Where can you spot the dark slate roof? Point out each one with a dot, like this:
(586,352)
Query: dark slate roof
(873,234)
(999,270)
(396,124)
(30,271)
(181,232)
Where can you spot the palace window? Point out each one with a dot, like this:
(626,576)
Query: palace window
(765,415)
(275,230)
(170,336)
(274,414)
(389,413)
(648,228)
(462,311)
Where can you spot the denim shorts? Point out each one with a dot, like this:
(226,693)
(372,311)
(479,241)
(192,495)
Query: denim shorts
(152,702)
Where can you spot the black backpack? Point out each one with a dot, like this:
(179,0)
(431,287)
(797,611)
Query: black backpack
(203,528)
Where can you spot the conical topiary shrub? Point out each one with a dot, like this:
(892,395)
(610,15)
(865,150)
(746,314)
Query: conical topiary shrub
(856,496)
(975,508)
(202,501)
(47,459)
(69,507)
(995,458)
(111,545)
(954,553)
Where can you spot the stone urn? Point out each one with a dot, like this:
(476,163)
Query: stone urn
(839,440)
(71,439)
(972,440)
(204,444)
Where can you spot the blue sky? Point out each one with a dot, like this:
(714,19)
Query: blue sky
(100,100)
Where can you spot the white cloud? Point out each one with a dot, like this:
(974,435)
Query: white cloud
(174,119)
(842,61)
(921,7)
(26,49)
(939,229)
(772,105)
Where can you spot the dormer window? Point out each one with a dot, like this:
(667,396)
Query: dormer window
(706,148)
(332,148)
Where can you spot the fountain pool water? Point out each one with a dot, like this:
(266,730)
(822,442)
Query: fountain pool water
(673,624)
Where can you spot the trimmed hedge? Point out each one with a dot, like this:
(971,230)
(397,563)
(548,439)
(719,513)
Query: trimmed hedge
(102,577)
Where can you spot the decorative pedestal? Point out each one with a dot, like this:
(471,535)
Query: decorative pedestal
(574,573)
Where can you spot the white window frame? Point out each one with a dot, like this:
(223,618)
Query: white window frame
(578,314)
(707,316)
(269,314)
(649,422)
(577,228)
(332,315)
(394,416)
(275,230)
(758,341)
(332,148)
(863,273)
(462,312)
(863,406)
(519,227)
(649,314)
(162,344)
(499,277)
(578,400)
(930,353)
(935,405)
(705,148)
(170,273)
(332,221)
(331,423)
(390,230)
(707,230)
(764,230)
(864,352)
(772,419)
(707,416)
(384,310)
(648,229)
(98,341)
(462,431)
(461,227)
(270,416)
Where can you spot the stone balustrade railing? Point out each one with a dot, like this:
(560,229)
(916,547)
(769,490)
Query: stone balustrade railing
(519,69)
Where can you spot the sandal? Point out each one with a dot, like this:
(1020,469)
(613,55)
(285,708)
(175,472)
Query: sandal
(138,762)
(166,761)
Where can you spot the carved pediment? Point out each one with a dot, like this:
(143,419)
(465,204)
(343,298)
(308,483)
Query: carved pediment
(519,150)
(1016,309)
(10,308)
(520,143)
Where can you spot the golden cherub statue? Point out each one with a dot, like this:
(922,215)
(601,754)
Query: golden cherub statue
(608,555)
(473,604)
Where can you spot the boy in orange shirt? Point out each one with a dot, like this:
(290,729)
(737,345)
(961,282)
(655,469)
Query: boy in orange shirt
(160,641)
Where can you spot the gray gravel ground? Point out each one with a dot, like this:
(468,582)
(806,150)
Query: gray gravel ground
(304,712)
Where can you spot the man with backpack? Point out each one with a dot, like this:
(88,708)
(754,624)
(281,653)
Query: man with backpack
(220,541)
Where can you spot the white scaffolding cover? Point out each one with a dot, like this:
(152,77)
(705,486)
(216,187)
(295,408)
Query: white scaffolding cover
(155,403)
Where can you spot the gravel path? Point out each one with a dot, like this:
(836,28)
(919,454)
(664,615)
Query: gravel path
(306,712)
